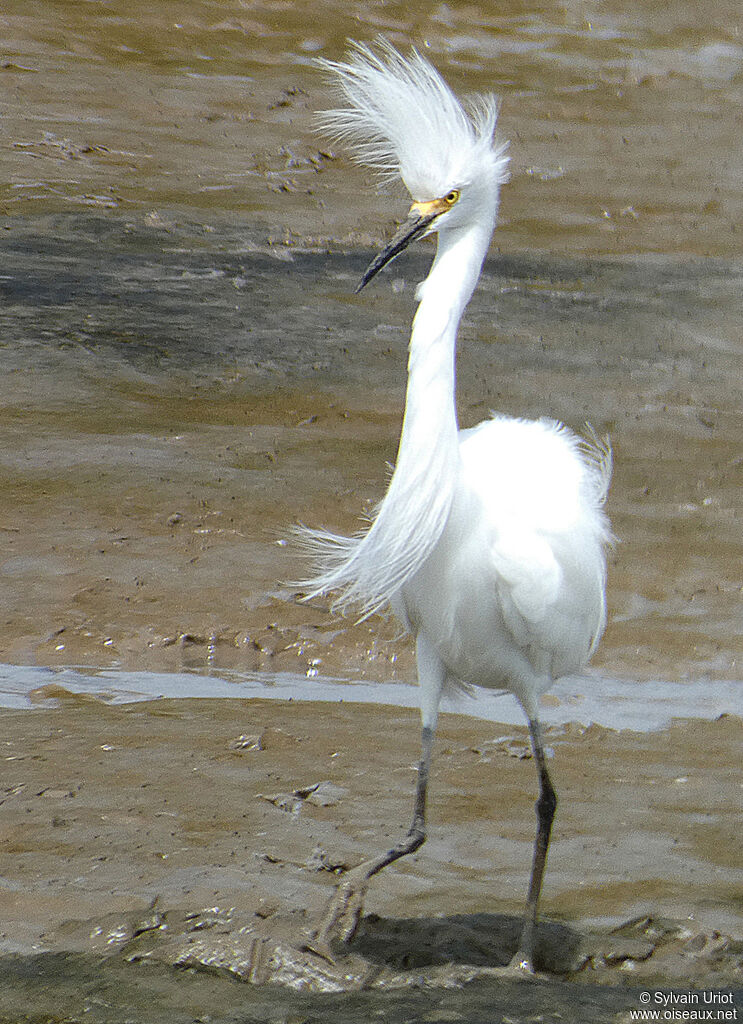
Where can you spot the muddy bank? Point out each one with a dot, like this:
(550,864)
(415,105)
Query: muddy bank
(171,408)
(236,817)
(186,373)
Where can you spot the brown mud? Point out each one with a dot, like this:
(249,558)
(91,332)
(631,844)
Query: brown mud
(206,834)
(169,412)
(186,374)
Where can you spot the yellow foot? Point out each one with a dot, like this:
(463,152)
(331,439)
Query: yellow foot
(342,914)
(520,968)
(318,945)
(521,965)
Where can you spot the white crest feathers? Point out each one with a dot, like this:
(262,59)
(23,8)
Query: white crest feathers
(402,119)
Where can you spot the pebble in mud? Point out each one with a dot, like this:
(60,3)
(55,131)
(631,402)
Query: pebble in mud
(319,794)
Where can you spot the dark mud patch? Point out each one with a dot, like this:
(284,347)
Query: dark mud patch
(72,988)
(186,967)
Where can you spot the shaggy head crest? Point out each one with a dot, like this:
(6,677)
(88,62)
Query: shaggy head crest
(402,119)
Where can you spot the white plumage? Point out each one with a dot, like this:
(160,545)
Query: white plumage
(403,120)
(489,544)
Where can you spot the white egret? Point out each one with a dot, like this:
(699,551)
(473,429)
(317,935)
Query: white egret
(490,542)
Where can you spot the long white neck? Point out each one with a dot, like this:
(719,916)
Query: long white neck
(430,424)
(370,570)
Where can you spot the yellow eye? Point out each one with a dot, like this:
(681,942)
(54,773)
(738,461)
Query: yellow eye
(451,197)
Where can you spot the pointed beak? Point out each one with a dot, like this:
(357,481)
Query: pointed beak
(420,218)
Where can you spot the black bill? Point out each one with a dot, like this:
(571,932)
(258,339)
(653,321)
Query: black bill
(414,227)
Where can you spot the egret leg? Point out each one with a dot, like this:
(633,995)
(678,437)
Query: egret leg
(343,912)
(545,808)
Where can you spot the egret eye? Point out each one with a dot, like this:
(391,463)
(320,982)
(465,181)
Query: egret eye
(451,197)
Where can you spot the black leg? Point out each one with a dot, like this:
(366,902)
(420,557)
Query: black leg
(343,912)
(545,807)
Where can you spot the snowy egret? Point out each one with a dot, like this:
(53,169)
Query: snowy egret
(490,542)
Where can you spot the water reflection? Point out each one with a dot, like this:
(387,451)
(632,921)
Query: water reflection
(594,699)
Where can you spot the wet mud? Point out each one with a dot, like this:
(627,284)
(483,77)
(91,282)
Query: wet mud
(169,412)
(623,118)
(203,836)
(186,373)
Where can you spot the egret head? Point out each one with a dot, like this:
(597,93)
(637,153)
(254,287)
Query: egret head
(403,120)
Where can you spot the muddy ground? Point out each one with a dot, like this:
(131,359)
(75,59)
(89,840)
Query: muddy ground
(185,373)
(177,832)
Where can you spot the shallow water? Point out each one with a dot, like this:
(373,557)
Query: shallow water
(585,700)
(186,373)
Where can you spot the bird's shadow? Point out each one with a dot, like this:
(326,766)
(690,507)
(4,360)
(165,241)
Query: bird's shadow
(480,940)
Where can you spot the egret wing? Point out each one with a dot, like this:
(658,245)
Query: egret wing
(541,499)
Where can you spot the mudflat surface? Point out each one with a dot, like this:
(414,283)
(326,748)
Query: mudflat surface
(186,373)
(175,400)
(175,832)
